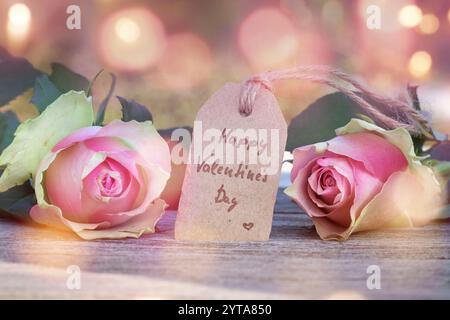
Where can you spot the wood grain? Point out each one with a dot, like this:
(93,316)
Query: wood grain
(293,264)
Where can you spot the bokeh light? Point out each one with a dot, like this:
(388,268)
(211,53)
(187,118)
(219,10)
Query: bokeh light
(410,16)
(186,63)
(127,30)
(429,24)
(371,47)
(19,15)
(18,26)
(269,39)
(435,99)
(420,64)
(131,39)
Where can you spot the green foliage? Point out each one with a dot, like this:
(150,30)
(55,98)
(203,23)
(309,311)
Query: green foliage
(8,126)
(45,92)
(61,80)
(16,76)
(35,138)
(18,201)
(131,110)
(66,80)
(319,121)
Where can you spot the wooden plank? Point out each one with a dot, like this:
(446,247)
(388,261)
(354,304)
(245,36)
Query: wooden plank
(295,263)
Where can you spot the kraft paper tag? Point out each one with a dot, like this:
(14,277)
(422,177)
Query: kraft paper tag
(231,182)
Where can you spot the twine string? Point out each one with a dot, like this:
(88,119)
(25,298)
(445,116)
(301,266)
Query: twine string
(401,111)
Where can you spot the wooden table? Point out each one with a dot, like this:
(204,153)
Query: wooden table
(294,264)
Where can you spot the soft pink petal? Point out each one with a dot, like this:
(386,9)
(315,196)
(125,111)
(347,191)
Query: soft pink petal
(77,136)
(324,200)
(409,198)
(128,160)
(328,195)
(341,214)
(143,138)
(97,209)
(299,192)
(366,187)
(339,224)
(107,144)
(341,165)
(380,157)
(52,216)
(133,228)
(302,156)
(63,180)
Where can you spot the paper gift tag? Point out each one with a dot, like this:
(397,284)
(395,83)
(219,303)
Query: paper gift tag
(231,182)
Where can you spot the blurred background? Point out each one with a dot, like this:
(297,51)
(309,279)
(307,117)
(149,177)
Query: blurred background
(172,55)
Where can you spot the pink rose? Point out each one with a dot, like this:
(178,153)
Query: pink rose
(363,179)
(104,182)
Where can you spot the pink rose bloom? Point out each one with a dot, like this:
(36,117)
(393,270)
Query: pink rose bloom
(104,182)
(363,179)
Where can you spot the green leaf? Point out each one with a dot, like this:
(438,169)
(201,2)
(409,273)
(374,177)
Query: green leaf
(18,201)
(102,107)
(65,79)
(167,133)
(61,80)
(131,110)
(8,125)
(45,92)
(36,137)
(16,76)
(319,121)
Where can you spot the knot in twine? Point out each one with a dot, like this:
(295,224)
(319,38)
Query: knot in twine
(250,90)
(391,113)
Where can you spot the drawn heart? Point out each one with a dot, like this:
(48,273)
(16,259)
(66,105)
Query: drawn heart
(247,226)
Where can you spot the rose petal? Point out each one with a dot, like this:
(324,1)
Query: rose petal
(77,136)
(107,144)
(409,198)
(303,155)
(148,164)
(380,157)
(134,228)
(52,216)
(128,160)
(143,138)
(63,179)
(399,137)
(366,187)
(95,206)
(298,191)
